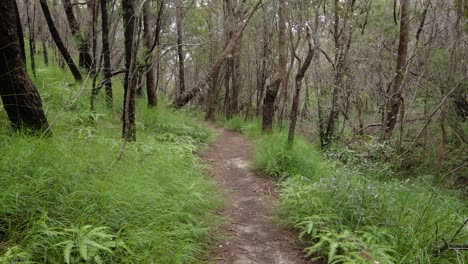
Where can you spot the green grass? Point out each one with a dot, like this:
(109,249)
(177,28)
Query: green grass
(67,198)
(361,212)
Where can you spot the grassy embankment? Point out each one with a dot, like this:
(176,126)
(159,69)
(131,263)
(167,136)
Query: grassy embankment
(359,212)
(66,198)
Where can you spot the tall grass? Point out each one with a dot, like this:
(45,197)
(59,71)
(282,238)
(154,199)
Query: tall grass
(66,198)
(360,213)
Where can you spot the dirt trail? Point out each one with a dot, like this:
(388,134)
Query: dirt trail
(252,235)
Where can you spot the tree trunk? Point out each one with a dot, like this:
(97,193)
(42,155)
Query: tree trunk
(262,71)
(19,29)
(395,97)
(299,76)
(58,41)
(20,98)
(212,96)
(213,71)
(180,51)
(31,35)
(150,71)
(45,53)
(106,70)
(272,89)
(85,59)
(233,62)
(89,33)
(128,115)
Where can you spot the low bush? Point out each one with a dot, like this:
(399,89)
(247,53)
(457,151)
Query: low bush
(349,216)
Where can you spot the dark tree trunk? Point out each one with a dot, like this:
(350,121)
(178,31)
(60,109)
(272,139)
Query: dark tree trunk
(20,32)
(106,70)
(212,96)
(232,81)
(20,98)
(94,10)
(150,71)
(236,78)
(128,115)
(395,97)
(180,51)
(280,72)
(31,36)
(58,41)
(85,59)
(45,53)
(299,76)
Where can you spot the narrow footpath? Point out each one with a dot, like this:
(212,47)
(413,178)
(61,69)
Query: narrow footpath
(251,235)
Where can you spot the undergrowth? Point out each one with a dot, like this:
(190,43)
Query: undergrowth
(359,213)
(66,198)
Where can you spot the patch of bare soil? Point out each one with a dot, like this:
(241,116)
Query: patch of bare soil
(251,234)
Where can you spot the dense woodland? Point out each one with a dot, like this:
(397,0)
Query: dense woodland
(358,109)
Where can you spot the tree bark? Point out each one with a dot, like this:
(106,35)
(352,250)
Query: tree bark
(180,51)
(213,71)
(20,98)
(128,115)
(212,96)
(299,76)
(58,41)
(395,97)
(272,89)
(85,59)
(150,71)
(45,53)
(31,36)
(19,29)
(106,70)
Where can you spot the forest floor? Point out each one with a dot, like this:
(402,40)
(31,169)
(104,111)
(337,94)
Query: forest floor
(250,233)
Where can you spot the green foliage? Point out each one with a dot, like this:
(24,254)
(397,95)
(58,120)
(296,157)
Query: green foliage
(66,198)
(239,124)
(235,124)
(278,159)
(359,216)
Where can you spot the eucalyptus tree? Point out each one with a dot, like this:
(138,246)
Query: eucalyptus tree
(58,41)
(20,98)
(280,71)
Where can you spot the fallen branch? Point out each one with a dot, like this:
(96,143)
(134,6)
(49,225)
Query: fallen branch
(429,119)
(450,245)
(214,70)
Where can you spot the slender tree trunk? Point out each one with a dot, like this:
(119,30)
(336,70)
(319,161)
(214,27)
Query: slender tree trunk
(89,34)
(180,51)
(31,35)
(128,115)
(19,30)
(212,96)
(20,98)
(58,41)
(234,62)
(262,72)
(45,53)
(395,97)
(85,59)
(299,76)
(236,78)
(150,71)
(342,43)
(106,70)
